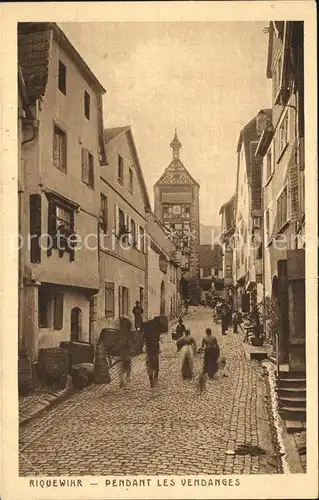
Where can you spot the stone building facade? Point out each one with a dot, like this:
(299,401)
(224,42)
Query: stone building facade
(282,148)
(227,213)
(59,188)
(247,255)
(210,270)
(176,205)
(163,272)
(123,243)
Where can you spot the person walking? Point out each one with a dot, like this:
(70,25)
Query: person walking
(125,348)
(211,353)
(151,330)
(224,317)
(237,321)
(180,330)
(137,312)
(187,347)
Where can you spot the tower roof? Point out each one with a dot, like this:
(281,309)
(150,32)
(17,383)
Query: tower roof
(176,146)
(175,142)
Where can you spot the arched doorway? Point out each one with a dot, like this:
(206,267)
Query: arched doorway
(76,324)
(162,303)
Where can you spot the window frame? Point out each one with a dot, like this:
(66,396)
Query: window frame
(267,225)
(131,180)
(58,314)
(283,130)
(269,165)
(124,300)
(109,286)
(120,169)
(282,220)
(87,167)
(87,105)
(104,212)
(207,272)
(62,87)
(58,131)
(141,237)
(68,236)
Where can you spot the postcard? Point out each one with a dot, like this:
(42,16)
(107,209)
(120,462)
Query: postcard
(158,243)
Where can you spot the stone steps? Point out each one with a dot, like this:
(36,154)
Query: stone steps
(292,394)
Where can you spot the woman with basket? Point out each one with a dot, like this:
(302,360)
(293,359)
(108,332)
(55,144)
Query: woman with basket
(187,347)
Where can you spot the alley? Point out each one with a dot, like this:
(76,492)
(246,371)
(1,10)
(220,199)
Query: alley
(172,429)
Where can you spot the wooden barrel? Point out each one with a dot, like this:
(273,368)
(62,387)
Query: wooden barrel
(53,364)
(101,367)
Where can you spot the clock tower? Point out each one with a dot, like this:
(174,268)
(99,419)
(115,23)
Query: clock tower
(176,205)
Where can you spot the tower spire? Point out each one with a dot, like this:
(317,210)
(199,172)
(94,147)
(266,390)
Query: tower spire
(175,145)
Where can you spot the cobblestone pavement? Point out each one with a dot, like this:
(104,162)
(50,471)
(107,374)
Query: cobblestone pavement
(171,429)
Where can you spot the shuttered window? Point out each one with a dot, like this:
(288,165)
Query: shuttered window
(133,233)
(142,240)
(109,299)
(35,228)
(59,148)
(268,165)
(131,186)
(104,213)
(87,161)
(58,311)
(44,301)
(120,170)
(282,213)
(123,301)
(62,78)
(283,135)
(87,105)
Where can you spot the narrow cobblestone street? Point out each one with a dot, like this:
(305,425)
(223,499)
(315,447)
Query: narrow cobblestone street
(172,429)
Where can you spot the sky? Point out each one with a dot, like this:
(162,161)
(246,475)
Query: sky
(207,80)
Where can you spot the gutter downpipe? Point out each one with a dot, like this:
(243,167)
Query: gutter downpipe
(263,250)
(21,191)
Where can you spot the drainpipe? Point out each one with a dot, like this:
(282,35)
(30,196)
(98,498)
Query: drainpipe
(35,127)
(263,255)
(146,243)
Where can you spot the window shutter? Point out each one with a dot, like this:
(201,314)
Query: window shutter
(116,221)
(138,238)
(58,311)
(85,165)
(35,228)
(109,299)
(294,185)
(120,301)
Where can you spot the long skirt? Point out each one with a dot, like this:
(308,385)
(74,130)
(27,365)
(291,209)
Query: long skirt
(152,366)
(187,361)
(210,362)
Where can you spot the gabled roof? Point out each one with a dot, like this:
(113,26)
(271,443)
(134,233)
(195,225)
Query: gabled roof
(112,133)
(35,68)
(249,134)
(229,210)
(176,166)
(24,95)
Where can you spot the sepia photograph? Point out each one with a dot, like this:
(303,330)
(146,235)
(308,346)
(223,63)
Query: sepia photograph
(161,254)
